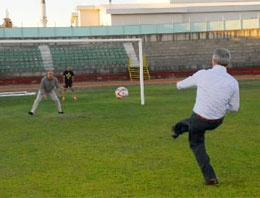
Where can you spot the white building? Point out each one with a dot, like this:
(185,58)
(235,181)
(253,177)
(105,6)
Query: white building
(176,11)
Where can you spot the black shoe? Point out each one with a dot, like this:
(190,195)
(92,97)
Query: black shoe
(61,112)
(211,182)
(174,134)
(30,113)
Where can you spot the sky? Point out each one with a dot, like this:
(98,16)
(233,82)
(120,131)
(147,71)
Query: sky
(27,13)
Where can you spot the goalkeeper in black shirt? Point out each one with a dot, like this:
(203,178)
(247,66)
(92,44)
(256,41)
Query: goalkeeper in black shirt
(68,82)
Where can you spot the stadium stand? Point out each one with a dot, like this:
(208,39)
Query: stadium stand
(83,58)
(20,59)
(168,55)
(88,57)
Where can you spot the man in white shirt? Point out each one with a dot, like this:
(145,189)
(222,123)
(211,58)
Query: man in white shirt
(217,93)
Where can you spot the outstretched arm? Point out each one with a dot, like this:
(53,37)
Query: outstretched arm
(186,83)
(190,81)
(233,104)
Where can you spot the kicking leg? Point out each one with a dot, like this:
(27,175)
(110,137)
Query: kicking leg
(180,127)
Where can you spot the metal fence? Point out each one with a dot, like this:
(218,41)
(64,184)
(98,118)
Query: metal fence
(38,32)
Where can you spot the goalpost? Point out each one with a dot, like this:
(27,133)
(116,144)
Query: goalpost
(58,42)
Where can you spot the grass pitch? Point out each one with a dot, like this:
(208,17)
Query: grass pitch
(104,147)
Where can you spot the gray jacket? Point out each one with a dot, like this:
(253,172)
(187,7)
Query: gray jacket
(48,85)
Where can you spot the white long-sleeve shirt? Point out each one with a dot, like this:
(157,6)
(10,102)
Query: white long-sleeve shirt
(217,92)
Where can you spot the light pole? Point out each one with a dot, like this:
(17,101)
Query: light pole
(44,17)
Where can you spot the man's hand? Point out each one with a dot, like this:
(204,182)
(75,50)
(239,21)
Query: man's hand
(44,96)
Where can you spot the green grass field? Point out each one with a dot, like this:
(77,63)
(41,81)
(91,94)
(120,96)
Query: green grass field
(104,147)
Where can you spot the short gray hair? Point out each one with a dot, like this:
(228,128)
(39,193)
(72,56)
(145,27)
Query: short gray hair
(222,56)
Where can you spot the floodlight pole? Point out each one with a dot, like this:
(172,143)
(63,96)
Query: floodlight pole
(141,61)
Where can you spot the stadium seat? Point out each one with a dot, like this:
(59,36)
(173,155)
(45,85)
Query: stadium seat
(29,58)
(20,59)
(89,56)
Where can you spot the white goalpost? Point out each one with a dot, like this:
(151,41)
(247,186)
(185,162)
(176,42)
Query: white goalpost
(88,41)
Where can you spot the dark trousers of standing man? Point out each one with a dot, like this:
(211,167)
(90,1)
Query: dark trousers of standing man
(197,126)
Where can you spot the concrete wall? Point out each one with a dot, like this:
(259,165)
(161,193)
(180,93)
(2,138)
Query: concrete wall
(105,19)
(198,17)
(139,19)
(170,18)
(89,17)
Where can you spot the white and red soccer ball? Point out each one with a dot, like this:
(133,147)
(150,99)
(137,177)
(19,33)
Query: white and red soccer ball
(121,92)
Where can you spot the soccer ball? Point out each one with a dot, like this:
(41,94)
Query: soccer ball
(121,92)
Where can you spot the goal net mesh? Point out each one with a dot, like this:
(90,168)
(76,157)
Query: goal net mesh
(86,57)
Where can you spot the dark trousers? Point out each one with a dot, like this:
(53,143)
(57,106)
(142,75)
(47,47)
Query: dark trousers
(197,127)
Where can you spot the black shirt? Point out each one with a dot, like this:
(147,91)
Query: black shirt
(68,75)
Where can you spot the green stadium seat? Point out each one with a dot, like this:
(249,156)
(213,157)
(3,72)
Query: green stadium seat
(88,56)
(20,59)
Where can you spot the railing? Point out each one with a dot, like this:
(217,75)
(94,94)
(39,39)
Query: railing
(37,32)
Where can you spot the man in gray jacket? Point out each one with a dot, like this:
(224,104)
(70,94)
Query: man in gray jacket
(48,84)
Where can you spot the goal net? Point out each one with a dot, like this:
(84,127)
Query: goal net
(99,57)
